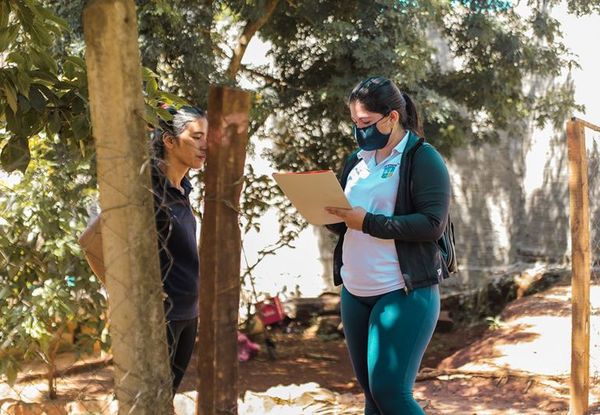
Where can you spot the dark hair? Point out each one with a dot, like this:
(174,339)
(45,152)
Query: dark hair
(381,95)
(174,127)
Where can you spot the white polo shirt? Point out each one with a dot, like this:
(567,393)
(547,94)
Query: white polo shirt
(370,265)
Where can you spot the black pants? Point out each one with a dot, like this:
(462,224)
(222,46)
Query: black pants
(181,335)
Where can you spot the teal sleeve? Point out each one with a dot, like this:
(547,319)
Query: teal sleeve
(430,200)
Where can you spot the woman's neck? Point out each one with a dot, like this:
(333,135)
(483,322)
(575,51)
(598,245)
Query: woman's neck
(398,134)
(175,172)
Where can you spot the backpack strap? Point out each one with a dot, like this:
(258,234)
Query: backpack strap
(409,161)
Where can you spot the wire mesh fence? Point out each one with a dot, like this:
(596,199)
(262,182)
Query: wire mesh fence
(592,136)
(56,348)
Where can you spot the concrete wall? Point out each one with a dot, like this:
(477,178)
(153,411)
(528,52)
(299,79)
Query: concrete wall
(510,203)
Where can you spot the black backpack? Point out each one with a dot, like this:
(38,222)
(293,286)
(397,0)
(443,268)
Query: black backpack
(447,242)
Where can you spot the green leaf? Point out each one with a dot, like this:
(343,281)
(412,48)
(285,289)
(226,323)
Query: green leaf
(24,83)
(4,14)
(148,74)
(19,59)
(81,127)
(15,154)
(13,122)
(43,61)
(151,87)
(69,70)
(150,115)
(8,36)
(49,15)
(54,123)
(164,114)
(26,17)
(11,96)
(5,291)
(24,105)
(39,34)
(76,60)
(37,99)
(172,98)
(43,77)
(31,123)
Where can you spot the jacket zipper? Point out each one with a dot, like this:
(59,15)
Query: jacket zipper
(407,284)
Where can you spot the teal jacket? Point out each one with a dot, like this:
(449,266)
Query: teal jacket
(419,217)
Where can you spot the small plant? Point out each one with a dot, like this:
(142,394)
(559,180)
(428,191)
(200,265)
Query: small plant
(494,323)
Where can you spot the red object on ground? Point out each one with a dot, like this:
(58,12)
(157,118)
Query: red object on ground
(247,349)
(270,311)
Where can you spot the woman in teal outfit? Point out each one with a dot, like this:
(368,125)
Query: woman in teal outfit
(387,255)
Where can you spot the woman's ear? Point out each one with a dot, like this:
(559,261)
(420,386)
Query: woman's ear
(395,117)
(168,140)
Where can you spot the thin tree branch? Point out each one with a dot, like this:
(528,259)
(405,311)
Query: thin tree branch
(266,77)
(249,31)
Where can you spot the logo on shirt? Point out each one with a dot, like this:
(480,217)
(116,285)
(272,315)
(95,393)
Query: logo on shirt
(388,170)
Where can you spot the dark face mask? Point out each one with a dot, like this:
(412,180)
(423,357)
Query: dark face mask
(370,138)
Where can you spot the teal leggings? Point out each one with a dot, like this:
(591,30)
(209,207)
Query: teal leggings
(386,336)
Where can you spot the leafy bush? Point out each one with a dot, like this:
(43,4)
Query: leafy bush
(47,288)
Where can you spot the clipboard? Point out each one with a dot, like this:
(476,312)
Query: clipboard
(311,192)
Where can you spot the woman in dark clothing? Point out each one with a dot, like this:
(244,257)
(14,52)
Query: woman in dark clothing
(387,257)
(178,145)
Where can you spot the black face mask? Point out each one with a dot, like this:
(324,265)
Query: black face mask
(370,138)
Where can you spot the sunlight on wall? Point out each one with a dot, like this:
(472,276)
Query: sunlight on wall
(498,210)
(535,160)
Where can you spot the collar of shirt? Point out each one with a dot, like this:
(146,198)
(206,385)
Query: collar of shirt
(399,149)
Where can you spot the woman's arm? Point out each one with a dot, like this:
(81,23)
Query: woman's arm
(430,198)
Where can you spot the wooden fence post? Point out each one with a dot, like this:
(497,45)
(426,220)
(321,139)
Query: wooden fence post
(220,251)
(581,268)
(137,321)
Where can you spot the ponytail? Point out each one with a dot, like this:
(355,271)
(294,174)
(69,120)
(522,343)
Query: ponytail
(412,121)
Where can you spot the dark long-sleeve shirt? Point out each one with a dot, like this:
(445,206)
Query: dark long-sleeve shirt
(178,249)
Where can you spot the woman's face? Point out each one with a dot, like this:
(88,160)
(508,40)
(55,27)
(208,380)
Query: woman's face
(363,118)
(189,149)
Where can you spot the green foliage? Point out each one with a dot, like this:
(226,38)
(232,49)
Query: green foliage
(44,83)
(47,287)
(494,323)
(175,39)
(42,91)
(581,7)
(468,66)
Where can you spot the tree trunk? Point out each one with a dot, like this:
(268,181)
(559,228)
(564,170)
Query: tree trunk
(137,321)
(220,251)
(326,241)
(51,363)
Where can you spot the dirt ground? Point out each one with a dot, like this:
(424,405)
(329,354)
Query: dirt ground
(306,357)
(519,366)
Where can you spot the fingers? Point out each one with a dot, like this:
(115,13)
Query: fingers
(337,211)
